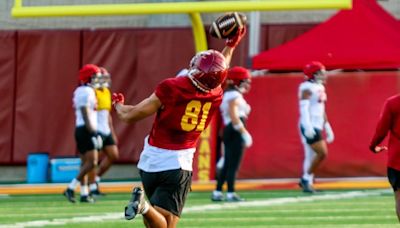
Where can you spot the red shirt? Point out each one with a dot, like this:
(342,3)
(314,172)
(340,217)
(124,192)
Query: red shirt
(185,113)
(390,122)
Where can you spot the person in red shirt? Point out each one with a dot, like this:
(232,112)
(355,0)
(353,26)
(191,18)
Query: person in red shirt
(389,121)
(184,107)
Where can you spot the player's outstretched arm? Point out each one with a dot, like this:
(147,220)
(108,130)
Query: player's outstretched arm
(231,44)
(133,113)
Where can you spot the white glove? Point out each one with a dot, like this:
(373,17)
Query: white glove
(329,133)
(247,139)
(97,142)
(309,132)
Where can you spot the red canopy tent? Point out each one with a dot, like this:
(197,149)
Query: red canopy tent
(366,37)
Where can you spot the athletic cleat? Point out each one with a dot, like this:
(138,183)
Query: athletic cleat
(234,198)
(70,195)
(87,199)
(306,186)
(136,204)
(217,197)
(96,193)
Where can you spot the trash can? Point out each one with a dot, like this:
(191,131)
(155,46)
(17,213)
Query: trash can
(38,164)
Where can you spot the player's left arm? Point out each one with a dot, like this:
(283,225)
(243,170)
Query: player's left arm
(330,136)
(133,113)
(382,128)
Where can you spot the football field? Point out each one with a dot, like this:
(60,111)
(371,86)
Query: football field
(262,208)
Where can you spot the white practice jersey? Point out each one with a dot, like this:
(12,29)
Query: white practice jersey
(317,102)
(84,96)
(243,107)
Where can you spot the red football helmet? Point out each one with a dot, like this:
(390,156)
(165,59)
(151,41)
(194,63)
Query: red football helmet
(105,78)
(238,74)
(208,69)
(315,71)
(104,71)
(88,73)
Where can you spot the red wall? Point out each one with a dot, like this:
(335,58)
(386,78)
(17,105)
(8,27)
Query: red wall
(353,107)
(39,73)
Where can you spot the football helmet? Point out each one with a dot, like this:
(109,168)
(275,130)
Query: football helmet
(90,74)
(207,70)
(105,79)
(315,71)
(239,77)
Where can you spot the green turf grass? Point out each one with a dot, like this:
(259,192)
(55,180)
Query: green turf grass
(376,210)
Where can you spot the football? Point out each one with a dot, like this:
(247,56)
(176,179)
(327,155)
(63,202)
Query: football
(227,25)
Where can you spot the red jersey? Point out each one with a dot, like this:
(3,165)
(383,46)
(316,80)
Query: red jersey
(184,114)
(390,122)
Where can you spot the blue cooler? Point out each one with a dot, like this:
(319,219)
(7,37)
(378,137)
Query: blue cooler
(38,164)
(64,169)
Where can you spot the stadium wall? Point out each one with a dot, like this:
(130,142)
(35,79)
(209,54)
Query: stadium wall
(39,73)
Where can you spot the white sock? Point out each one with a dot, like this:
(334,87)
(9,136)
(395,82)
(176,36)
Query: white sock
(93,187)
(308,177)
(73,184)
(97,179)
(84,190)
(145,208)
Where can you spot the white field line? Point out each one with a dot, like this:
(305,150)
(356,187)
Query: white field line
(215,206)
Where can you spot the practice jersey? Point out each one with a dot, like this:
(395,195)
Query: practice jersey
(317,102)
(184,114)
(103,110)
(84,96)
(389,121)
(243,107)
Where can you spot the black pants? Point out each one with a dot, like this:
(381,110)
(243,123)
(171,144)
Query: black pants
(234,148)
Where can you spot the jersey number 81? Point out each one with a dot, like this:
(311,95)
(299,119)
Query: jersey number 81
(190,120)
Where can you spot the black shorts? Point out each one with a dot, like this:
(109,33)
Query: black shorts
(167,189)
(317,137)
(394,178)
(83,139)
(108,140)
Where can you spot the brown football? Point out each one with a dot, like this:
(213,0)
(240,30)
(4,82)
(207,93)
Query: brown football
(227,25)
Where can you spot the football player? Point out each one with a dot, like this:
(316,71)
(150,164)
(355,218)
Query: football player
(313,120)
(389,123)
(87,139)
(105,129)
(236,138)
(184,107)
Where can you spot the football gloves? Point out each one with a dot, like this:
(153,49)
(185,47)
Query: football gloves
(234,41)
(117,98)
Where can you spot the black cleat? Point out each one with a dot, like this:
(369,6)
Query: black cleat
(70,195)
(96,193)
(87,199)
(306,186)
(136,204)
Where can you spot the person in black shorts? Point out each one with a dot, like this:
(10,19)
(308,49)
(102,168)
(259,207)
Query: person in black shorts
(236,138)
(389,123)
(183,107)
(87,139)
